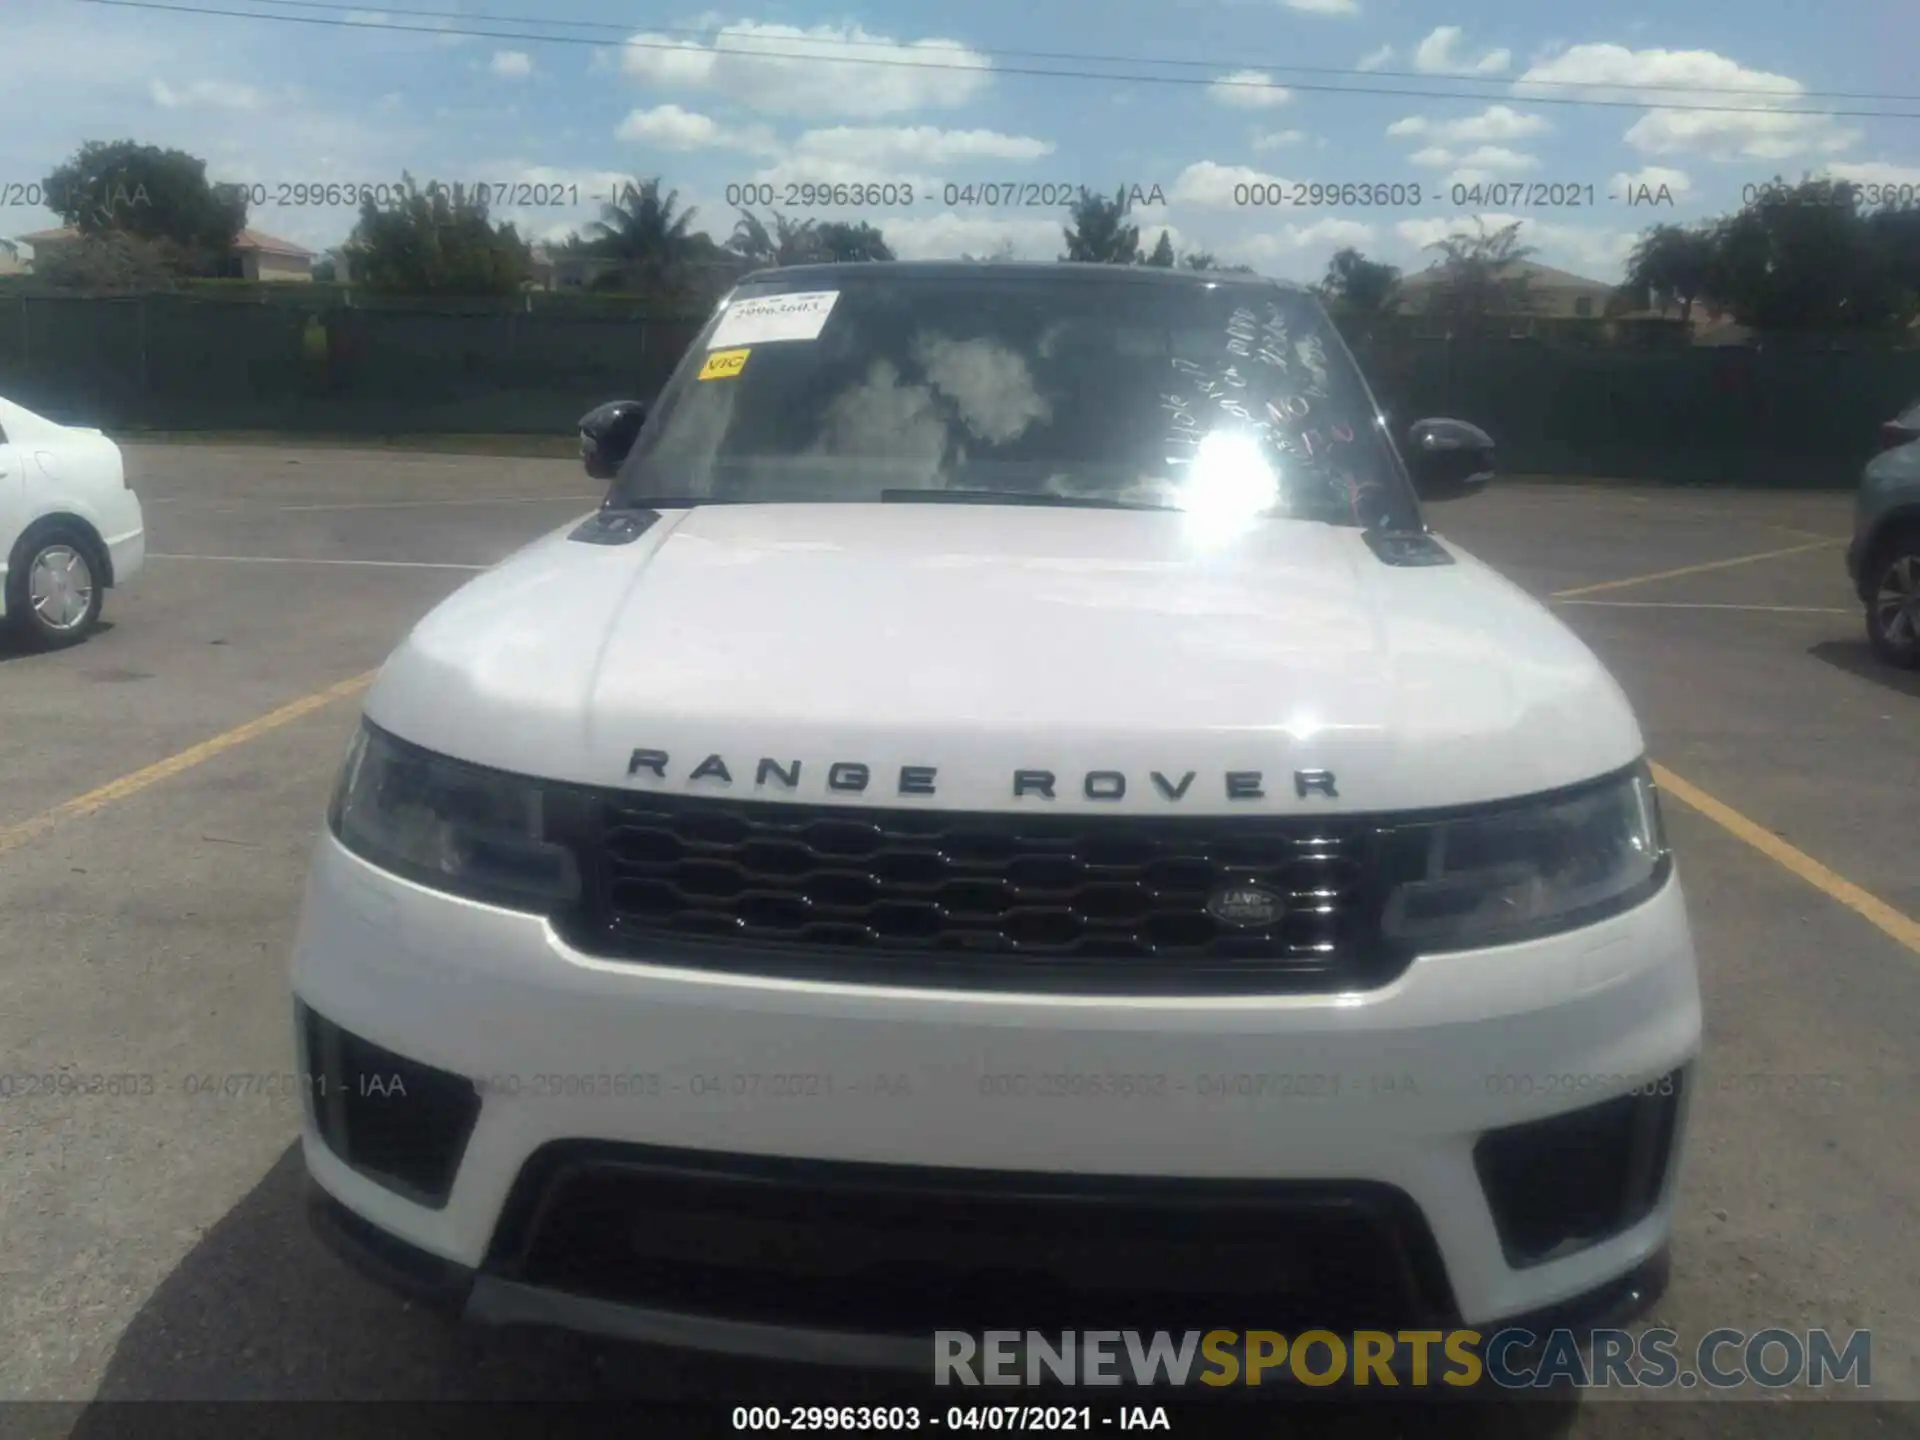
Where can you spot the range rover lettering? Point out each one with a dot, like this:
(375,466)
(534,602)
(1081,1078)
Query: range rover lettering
(984,671)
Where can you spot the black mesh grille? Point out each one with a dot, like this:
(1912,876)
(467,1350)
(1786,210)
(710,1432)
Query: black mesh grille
(910,1250)
(933,893)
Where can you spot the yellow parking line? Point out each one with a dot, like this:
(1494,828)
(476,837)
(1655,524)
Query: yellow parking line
(1709,605)
(12,837)
(1692,569)
(1876,912)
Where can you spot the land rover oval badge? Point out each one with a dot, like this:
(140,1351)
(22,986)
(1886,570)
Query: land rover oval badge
(1244,905)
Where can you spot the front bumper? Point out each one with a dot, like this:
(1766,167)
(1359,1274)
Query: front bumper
(1360,1121)
(124,527)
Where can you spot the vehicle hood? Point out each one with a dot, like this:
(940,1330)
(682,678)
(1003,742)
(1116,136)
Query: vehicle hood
(977,641)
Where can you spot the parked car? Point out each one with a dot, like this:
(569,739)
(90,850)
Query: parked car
(1006,814)
(1883,561)
(1903,429)
(70,528)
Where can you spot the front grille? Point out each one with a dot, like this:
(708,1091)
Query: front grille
(909,1250)
(964,898)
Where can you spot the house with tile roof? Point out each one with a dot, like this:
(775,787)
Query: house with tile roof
(256,254)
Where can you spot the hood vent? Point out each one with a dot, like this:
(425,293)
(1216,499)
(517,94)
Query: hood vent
(614,527)
(1407,547)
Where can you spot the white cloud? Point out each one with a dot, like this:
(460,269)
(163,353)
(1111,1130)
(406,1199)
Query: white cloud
(1278,139)
(1298,251)
(1653,177)
(1759,135)
(949,235)
(207,95)
(1292,239)
(783,69)
(1438,54)
(1500,159)
(512,64)
(1249,90)
(669,127)
(1484,163)
(1876,172)
(1206,185)
(1692,74)
(1496,122)
(1696,77)
(918,144)
(1375,59)
(1150,237)
(1325,7)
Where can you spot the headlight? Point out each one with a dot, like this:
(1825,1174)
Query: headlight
(456,827)
(1520,873)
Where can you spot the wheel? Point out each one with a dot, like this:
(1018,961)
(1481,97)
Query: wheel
(53,589)
(1893,600)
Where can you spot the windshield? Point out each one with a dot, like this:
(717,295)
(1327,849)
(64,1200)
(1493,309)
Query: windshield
(1121,390)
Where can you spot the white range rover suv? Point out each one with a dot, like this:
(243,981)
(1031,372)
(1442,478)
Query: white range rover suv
(1006,815)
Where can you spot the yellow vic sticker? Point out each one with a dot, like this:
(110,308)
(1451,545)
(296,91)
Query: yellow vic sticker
(724,364)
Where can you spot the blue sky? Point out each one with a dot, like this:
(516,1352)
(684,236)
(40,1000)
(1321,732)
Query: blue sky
(272,103)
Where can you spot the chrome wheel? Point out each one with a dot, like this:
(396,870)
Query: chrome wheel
(1894,611)
(60,588)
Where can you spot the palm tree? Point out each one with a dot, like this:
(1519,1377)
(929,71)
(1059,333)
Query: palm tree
(843,240)
(1099,232)
(790,242)
(640,231)
(1480,273)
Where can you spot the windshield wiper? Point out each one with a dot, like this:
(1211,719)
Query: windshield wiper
(1013,497)
(667,502)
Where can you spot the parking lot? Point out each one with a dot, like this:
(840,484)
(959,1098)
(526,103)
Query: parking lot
(164,784)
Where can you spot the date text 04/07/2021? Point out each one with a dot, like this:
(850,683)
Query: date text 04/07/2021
(880,1419)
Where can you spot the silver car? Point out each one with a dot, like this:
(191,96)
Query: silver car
(1884,558)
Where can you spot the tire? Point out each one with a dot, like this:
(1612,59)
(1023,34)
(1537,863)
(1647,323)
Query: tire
(1892,585)
(55,587)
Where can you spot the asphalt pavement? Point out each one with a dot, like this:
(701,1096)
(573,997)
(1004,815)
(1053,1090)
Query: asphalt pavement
(163,785)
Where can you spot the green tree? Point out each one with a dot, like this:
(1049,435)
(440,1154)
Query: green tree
(1360,286)
(1199,260)
(789,242)
(112,263)
(1671,264)
(158,195)
(648,241)
(1480,274)
(839,240)
(1894,232)
(1099,232)
(437,242)
(1162,255)
(1803,257)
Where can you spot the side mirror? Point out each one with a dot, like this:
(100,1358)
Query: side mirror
(607,433)
(1448,459)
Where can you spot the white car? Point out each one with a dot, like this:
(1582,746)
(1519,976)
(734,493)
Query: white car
(1007,815)
(70,528)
